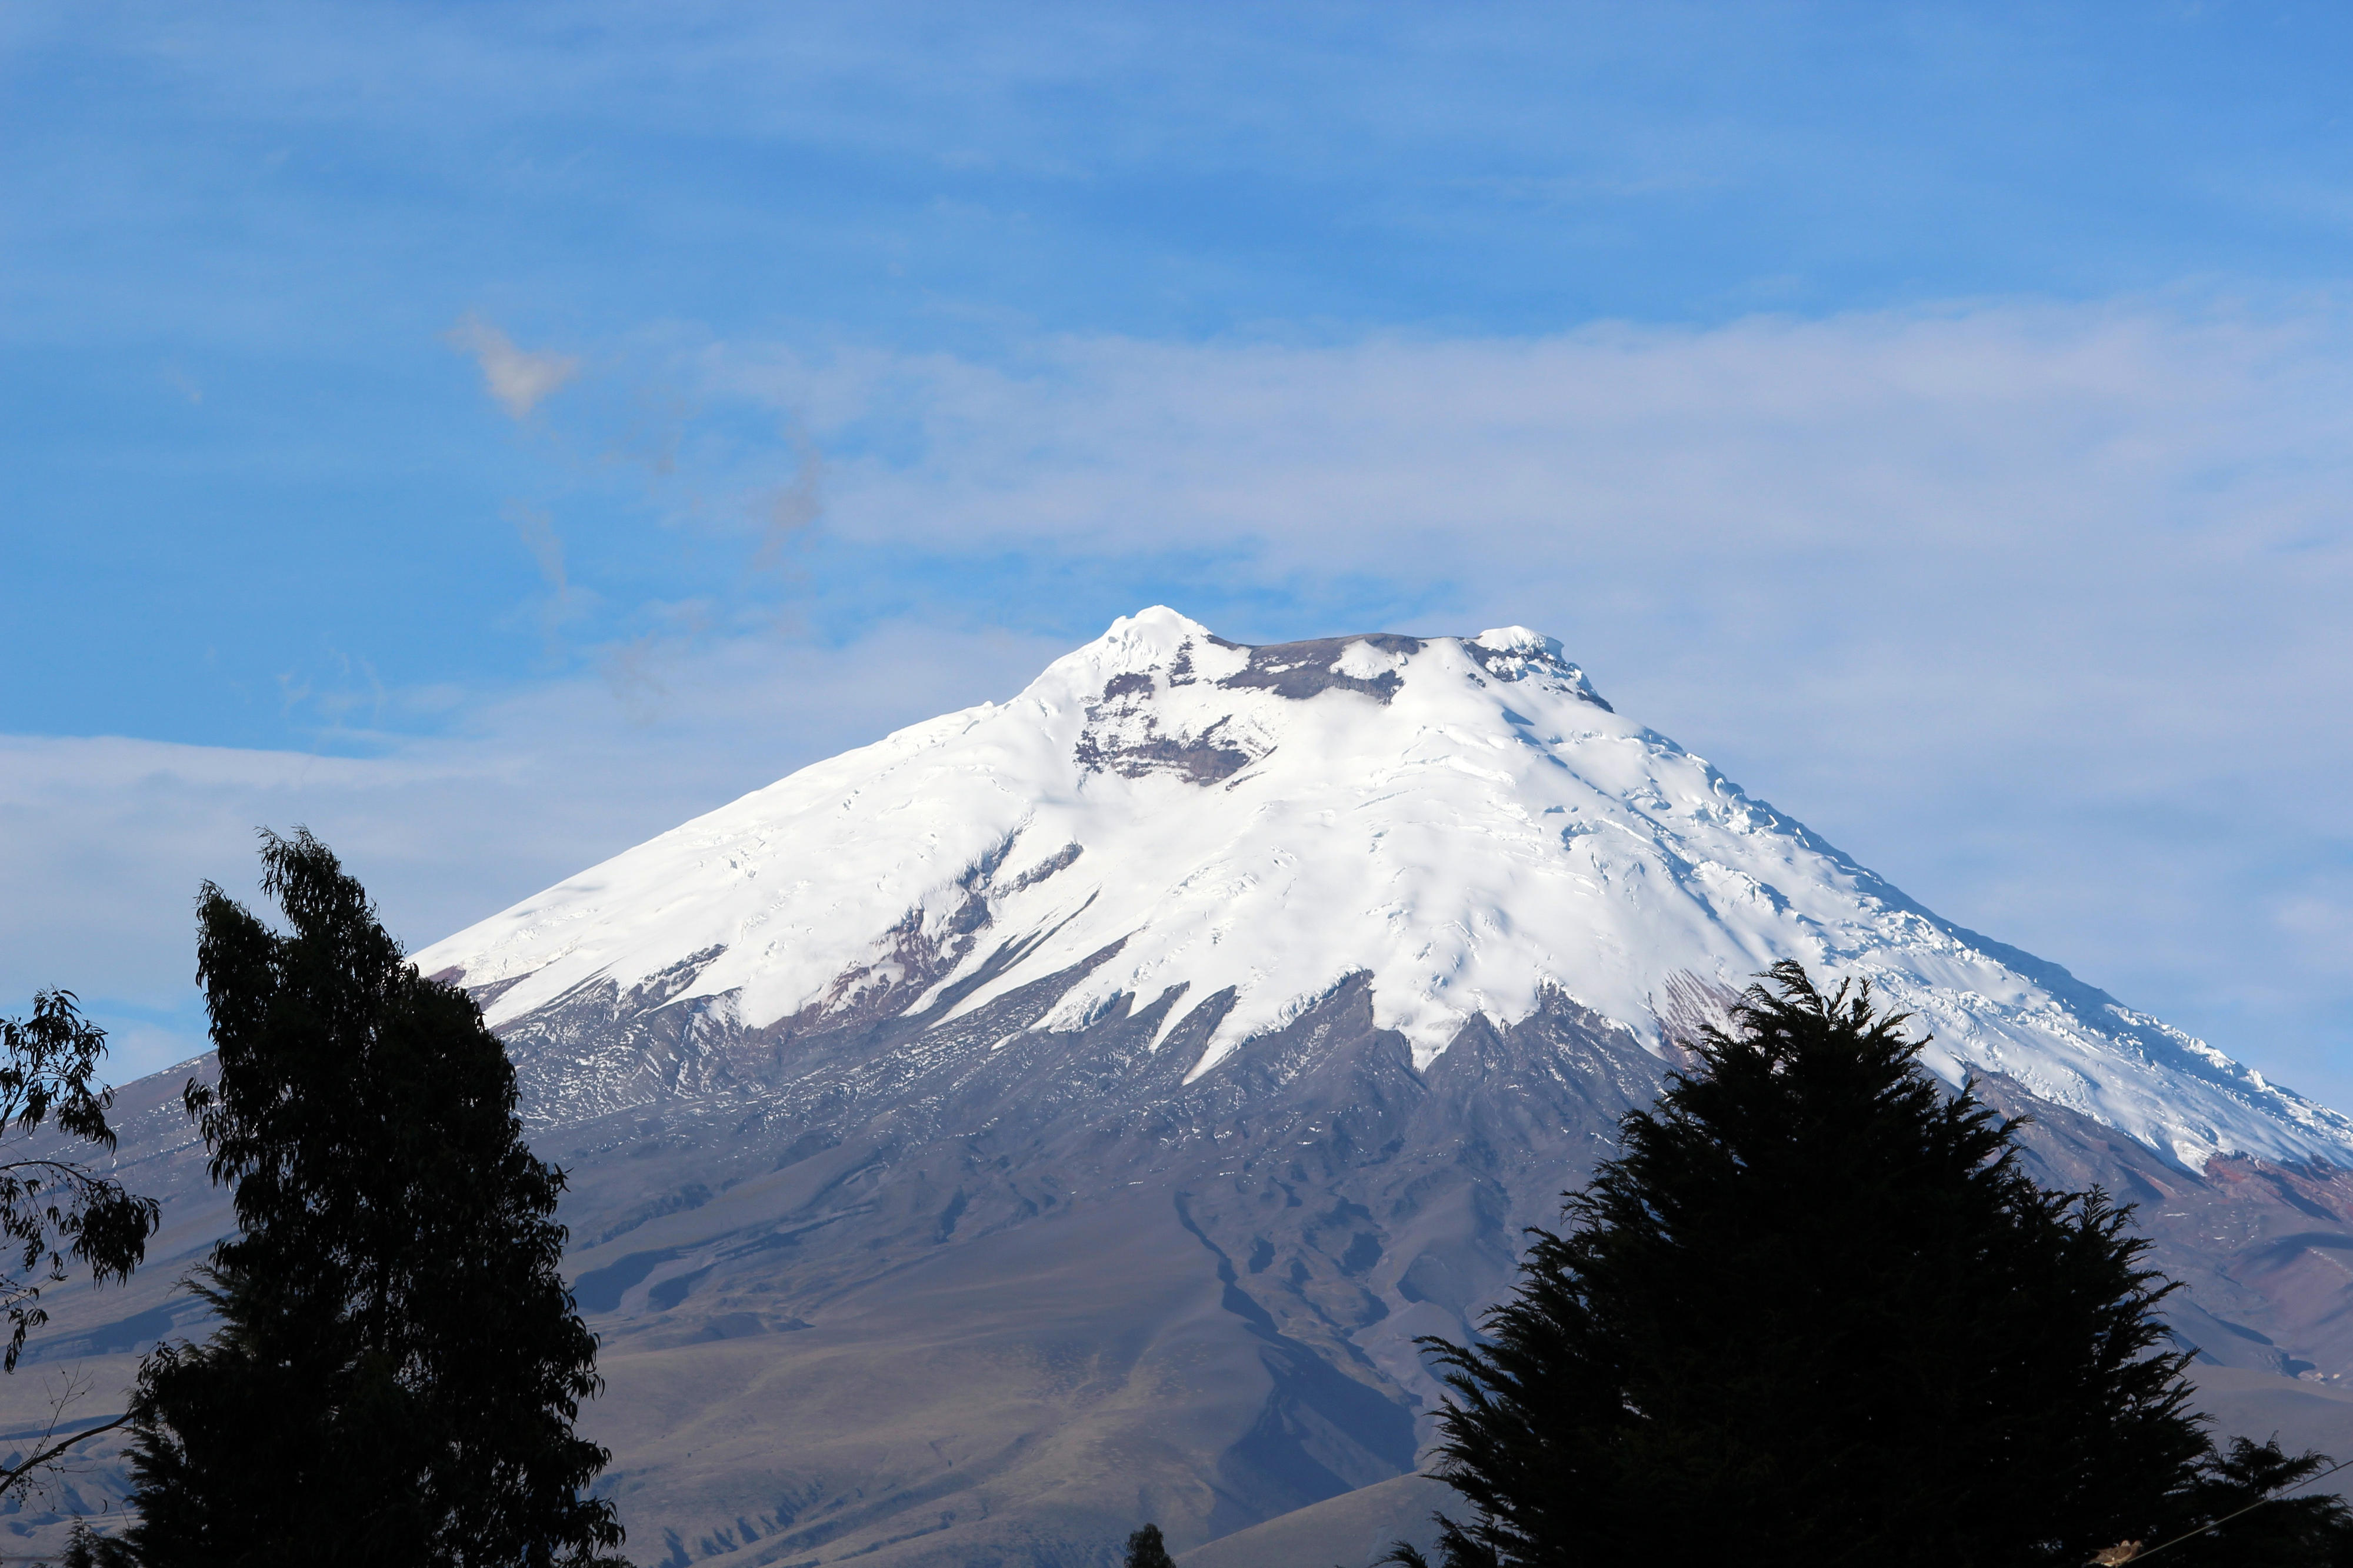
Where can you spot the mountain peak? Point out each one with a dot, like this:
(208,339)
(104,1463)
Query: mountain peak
(1215,836)
(1145,640)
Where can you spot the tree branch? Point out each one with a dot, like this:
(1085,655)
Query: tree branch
(10,1479)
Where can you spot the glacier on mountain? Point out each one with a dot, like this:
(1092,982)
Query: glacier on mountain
(1465,821)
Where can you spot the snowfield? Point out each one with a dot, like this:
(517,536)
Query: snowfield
(1463,820)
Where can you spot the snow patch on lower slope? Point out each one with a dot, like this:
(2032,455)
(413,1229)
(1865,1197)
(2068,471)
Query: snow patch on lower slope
(1464,821)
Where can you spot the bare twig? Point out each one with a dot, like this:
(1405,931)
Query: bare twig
(9,1479)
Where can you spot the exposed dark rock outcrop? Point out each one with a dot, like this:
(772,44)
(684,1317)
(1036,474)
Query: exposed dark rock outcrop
(1300,671)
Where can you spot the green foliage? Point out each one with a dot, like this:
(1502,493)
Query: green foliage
(398,1365)
(56,1212)
(2314,1532)
(1146,1550)
(1815,1314)
(88,1549)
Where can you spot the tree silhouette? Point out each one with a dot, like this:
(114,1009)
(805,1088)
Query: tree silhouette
(57,1214)
(1814,1313)
(398,1365)
(1146,1550)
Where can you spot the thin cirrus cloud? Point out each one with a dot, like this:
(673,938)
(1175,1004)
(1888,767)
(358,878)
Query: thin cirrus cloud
(521,379)
(536,527)
(795,507)
(566,601)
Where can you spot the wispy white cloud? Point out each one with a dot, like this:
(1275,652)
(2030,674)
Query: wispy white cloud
(537,530)
(794,506)
(565,600)
(521,379)
(107,839)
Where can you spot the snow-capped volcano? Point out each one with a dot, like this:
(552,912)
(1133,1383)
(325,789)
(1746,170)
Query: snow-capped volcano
(1185,820)
(1076,1110)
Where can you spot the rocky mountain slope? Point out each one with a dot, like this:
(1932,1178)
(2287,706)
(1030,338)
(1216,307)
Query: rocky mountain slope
(1068,1112)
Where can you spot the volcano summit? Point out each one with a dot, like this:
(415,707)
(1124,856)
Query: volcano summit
(1219,838)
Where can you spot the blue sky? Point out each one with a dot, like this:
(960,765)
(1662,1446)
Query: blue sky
(493,432)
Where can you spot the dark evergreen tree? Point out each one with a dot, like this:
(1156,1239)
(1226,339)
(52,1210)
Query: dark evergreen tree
(57,1216)
(398,1364)
(1146,1550)
(2248,1524)
(56,1212)
(1814,1313)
